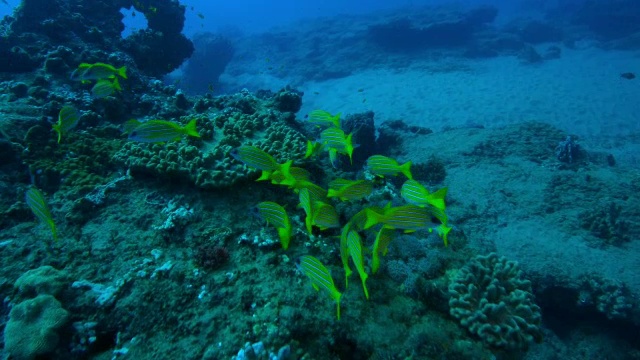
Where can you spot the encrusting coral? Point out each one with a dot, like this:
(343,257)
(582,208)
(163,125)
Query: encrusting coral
(491,299)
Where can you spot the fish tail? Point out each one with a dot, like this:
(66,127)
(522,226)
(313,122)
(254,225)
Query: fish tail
(308,224)
(349,147)
(309,150)
(437,198)
(332,193)
(264,176)
(285,236)
(57,129)
(373,218)
(375,261)
(190,129)
(122,72)
(406,170)
(364,277)
(338,308)
(54,232)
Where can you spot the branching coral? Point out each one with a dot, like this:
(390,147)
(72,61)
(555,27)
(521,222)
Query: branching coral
(492,300)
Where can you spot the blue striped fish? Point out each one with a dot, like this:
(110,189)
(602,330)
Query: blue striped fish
(277,216)
(37,203)
(385,166)
(414,193)
(381,246)
(344,253)
(105,87)
(324,118)
(354,243)
(255,158)
(336,140)
(154,131)
(408,217)
(320,277)
(305,204)
(354,191)
(68,118)
(325,216)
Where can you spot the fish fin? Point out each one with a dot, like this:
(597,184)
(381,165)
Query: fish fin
(406,170)
(333,157)
(122,72)
(190,128)
(332,193)
(309,150)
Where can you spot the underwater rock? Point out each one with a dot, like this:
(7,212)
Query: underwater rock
(552,52)
(156,53)
(609,19)
(210,58)
(363,128)
(535,31)
(529,55)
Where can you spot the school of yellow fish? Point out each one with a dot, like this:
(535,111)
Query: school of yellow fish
(421,208)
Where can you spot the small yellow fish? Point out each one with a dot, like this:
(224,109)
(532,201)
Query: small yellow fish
(277,216)
(355,190)
(256,158)
(380,246)
(414,193)
(105,87)
(320,277)
(337,142)
(97,71)
(201,16)
(325,216)
(154,131)
(385,166)
(324,118)
(68,118)
(354,243)
(313,149)
(408,217)
(37,204)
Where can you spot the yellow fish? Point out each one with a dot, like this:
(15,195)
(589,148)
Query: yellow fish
(68,118)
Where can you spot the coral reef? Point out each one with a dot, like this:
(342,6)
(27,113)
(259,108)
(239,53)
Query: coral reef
(32,329)
(610,298)
(493,301)
(243,119)
(607,224)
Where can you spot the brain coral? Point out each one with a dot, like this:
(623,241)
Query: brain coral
(32,327)
(492,300)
